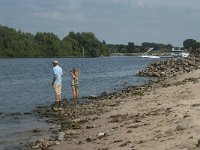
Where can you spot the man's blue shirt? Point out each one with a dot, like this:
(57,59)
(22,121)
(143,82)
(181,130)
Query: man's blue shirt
(57,72)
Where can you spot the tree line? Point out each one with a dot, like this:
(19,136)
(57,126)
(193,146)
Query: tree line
(132,48)
(20,44)
(190,45)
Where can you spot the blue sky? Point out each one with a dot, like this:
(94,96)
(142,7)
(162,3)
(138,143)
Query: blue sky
(115,21)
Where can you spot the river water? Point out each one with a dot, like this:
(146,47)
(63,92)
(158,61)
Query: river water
(26,83)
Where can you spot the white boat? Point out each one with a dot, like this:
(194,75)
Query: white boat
(179,53)
(147,55)
(150,56)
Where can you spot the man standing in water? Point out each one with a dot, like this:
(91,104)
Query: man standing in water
(57,84)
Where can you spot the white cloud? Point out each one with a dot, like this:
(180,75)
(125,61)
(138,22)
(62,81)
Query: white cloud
(141,3)
(61,16)
(61,10)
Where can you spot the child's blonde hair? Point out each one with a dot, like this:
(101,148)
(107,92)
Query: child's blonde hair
(76,71)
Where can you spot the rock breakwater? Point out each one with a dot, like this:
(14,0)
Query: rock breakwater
(171,67)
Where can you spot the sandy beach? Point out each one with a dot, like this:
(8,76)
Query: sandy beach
(163,118)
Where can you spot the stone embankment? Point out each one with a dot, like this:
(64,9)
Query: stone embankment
(171,67)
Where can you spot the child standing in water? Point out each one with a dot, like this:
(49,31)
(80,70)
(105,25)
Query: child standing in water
(75,72)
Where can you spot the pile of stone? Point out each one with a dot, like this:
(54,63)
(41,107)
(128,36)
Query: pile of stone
(171,67)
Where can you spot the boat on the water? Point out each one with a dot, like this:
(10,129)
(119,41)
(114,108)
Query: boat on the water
(179,53)
(150,56)
(147,55)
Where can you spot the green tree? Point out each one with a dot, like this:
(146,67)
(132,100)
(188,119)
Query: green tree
(48,43)
(192,45)
(189,43)
(130,47)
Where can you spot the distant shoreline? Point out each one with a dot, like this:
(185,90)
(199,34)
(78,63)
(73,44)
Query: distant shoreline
(111,54)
